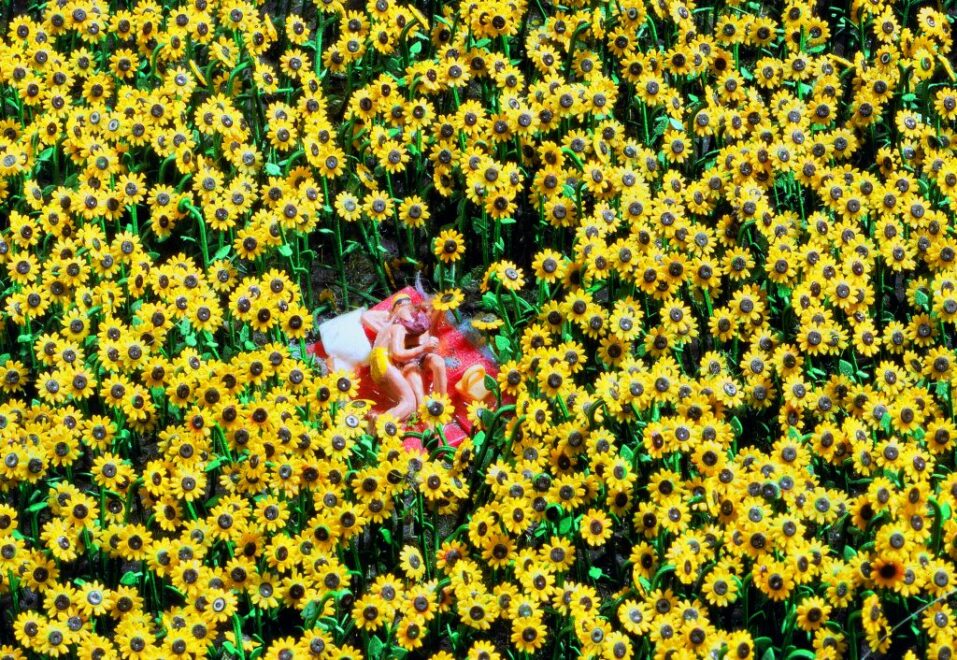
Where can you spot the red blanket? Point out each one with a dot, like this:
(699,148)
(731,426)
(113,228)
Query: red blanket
(460,353)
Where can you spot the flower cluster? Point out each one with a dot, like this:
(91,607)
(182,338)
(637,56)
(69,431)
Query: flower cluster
(711,245)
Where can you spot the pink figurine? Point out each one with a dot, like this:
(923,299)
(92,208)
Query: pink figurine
(404,346)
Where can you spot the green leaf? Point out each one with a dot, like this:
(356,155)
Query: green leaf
(375,647)
(451,635)
(503,347)
(849,553)
(130,578)
(762,642)
(310,614)
(565,525)
(366,441)
(769,654)
(800,653)
(415,48)
(273,170)
(595,573)
(846,368)
(921,298)
(212,465)
(285,250)
(222,252)
(943,387)
(662,572)
(386,534)
(736,426)
(886,422)
(661,125)
(478,440)
(39,506)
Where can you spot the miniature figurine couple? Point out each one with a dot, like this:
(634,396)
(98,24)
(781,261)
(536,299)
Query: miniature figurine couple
(403,351)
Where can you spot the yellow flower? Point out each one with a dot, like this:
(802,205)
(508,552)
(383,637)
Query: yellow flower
(436,409)
(448,300)
(449,246)
(487,322)
(509,275)
(595,527)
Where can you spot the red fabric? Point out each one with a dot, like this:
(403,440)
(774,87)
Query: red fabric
(460,354)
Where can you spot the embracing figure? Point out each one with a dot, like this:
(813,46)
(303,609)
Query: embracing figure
(404,349)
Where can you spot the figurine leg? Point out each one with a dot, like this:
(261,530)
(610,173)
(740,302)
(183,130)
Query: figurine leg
(436,364)
(413,374)
(400,391)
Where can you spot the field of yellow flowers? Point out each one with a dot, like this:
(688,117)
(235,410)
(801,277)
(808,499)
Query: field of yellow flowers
(712,246)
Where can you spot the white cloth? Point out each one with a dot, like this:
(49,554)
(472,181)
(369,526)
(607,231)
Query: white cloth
(344,340)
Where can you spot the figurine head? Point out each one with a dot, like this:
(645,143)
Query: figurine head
(412,316)
(402,307)
(399,301)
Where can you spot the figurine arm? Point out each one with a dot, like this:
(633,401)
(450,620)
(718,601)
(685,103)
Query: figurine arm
(397,346)
(375,319)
